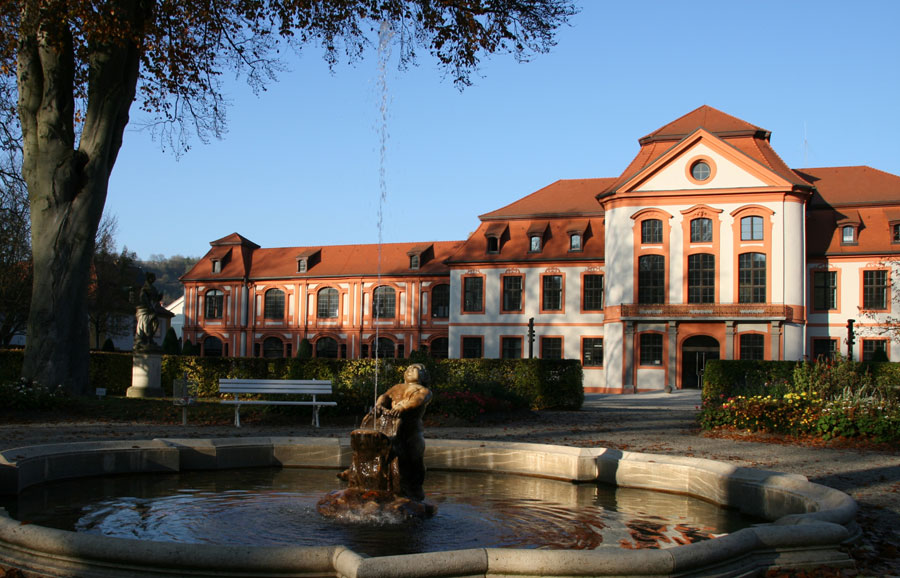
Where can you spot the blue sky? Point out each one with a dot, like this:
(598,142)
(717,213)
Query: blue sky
(300,162)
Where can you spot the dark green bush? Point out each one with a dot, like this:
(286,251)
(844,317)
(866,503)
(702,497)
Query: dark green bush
(110,370)
(744,377)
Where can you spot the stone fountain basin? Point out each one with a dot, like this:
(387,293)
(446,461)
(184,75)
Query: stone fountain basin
(809,523)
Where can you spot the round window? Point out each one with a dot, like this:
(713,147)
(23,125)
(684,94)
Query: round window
(700,170)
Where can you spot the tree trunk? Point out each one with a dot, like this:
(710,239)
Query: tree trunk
(67,185)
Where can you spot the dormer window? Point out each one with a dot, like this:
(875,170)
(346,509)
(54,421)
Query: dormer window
(217,266)
(895,233)
(308,258)
(536,233)
(575,242)
(413,262)
(494,237)
(848,235)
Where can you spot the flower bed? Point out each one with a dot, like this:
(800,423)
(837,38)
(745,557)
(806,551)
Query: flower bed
(828,399)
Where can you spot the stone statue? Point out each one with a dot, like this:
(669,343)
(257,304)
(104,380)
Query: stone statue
(407,402)
(388,466)
(149,309)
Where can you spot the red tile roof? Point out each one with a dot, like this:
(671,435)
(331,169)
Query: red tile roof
(514,247)
(837,186)
(334,261)
(706,117)
(562,198)
(823,231)
(749,139)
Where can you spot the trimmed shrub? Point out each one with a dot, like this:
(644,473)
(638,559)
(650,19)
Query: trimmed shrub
(170,343)
(112,371)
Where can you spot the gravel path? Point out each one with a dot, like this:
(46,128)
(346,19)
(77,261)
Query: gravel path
(651,423)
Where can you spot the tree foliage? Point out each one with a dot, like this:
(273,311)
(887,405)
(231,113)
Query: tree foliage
(885,324)
(15,227)
(114,277)
(168,271)
(79,65)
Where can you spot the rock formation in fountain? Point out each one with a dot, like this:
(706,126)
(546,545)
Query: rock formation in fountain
(388,468)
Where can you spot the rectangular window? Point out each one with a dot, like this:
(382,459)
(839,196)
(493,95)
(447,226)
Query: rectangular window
(473,294)
(824,349)
(592,293)
(535,246)
(651,349)
(215,301)
(512,293)
(753,346)
(751,278)
(471,347)
(701,231)
(651,279)
(651,231)
(551,347)
(592,352)
(752,229)
(510,347)
(874,350)
(895,233)
(552,293)
(440,301)
(824,290)
(875,289)
(701,278)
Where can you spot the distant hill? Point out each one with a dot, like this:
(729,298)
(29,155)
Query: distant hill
(168,270)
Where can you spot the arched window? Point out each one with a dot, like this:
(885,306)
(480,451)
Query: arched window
(440,301)
(385,348)
(440,348)
(327,347)
(273,348)
(652,279)
(215,304)
(212,347)
(274,304)
(328,303)
(384,303)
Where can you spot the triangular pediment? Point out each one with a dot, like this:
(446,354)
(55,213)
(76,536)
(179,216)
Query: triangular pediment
(727,168)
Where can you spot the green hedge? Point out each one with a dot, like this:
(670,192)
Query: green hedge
(731,377)
(531,383)
(109,370)
(743,377)
(520,383)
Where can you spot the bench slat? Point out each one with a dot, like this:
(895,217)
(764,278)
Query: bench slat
(283,390)
(264,402)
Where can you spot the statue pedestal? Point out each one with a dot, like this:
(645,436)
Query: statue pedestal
(146,376)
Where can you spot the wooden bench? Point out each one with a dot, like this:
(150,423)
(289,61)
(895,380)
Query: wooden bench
(311,387)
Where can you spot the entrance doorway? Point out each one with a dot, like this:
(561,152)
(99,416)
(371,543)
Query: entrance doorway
(695,352)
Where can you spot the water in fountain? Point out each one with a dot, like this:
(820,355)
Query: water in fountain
(272,507)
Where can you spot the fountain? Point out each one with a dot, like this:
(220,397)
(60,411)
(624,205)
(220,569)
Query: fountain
(807,524)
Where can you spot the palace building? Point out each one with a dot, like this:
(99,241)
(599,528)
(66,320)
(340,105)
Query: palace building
(707,246)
